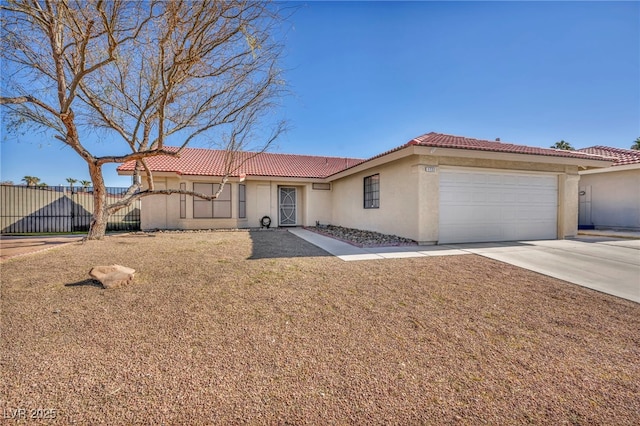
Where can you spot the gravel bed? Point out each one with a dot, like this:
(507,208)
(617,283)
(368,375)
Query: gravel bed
(361,238)
(265,328)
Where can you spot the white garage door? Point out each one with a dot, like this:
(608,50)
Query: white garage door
(487,206)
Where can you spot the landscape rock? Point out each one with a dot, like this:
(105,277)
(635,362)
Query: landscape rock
(361,238)
(112,276)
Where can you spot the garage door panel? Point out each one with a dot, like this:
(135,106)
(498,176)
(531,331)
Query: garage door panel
(479,197)
(494,197)
(511,214)
(477,207)
(474,233)
(481,215)
(535,231)
(494,179)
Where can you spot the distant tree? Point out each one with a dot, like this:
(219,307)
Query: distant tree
(7,182)
(31,180)
(563,145)
(71,182)
(145,73)
(85,183)
(42,185)
(636,145)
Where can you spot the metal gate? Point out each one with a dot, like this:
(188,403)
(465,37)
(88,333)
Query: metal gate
(288,211)
(31,209)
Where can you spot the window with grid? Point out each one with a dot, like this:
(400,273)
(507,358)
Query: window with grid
(242,201)
(220,208)
(372,192)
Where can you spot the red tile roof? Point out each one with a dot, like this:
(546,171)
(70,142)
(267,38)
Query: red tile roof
(623,157)
(439,140)
(459,142)
(208,162)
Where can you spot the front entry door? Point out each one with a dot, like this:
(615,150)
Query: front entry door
(287,201)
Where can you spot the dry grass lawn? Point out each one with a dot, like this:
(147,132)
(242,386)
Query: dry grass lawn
(264,328)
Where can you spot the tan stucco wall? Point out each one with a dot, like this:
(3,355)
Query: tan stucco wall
(398,213)
(318,206)
(568,204)
(615,198)
(163,212)
(262,200)
(409,198)
(153,211)
(410,195)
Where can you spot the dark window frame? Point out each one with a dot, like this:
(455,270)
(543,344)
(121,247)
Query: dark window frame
(183,201)
(216,202)
(242,201)
(371,193)
(321,186)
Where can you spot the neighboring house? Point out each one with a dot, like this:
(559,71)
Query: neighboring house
(610,197)
(435,189)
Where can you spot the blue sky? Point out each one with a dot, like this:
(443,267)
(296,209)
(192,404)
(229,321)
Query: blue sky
(366,77)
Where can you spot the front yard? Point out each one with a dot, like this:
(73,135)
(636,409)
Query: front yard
(262,327)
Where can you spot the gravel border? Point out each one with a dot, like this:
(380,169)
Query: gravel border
(361,238)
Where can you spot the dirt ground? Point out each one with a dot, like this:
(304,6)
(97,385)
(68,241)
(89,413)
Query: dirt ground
(11,246)
(264,328)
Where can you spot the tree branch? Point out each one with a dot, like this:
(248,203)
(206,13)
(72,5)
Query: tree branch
(135,156)
(27,99)
(114,207)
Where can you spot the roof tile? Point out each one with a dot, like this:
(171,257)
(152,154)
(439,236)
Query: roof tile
(209,162)
(622,157)
(461,142)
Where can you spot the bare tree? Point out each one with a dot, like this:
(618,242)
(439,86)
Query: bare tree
(144,74)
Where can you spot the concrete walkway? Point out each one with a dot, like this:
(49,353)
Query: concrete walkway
(350,252)
(609,265)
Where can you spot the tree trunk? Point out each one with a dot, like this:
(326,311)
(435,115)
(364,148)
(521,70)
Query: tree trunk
(100,216)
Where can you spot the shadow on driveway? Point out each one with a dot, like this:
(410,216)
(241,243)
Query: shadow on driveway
(275,243)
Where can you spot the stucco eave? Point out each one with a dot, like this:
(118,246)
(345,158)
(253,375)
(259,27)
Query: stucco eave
(374,162)
(231,179)
(611,169)
(155,174)
(469,153)
(287,179)
(508,156)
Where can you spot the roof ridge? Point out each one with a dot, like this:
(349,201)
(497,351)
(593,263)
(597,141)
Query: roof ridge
(444,140)
(211,162)
(612,148)
(622,157)
(266,152)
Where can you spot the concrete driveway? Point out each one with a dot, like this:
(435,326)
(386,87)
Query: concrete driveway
(609,265)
